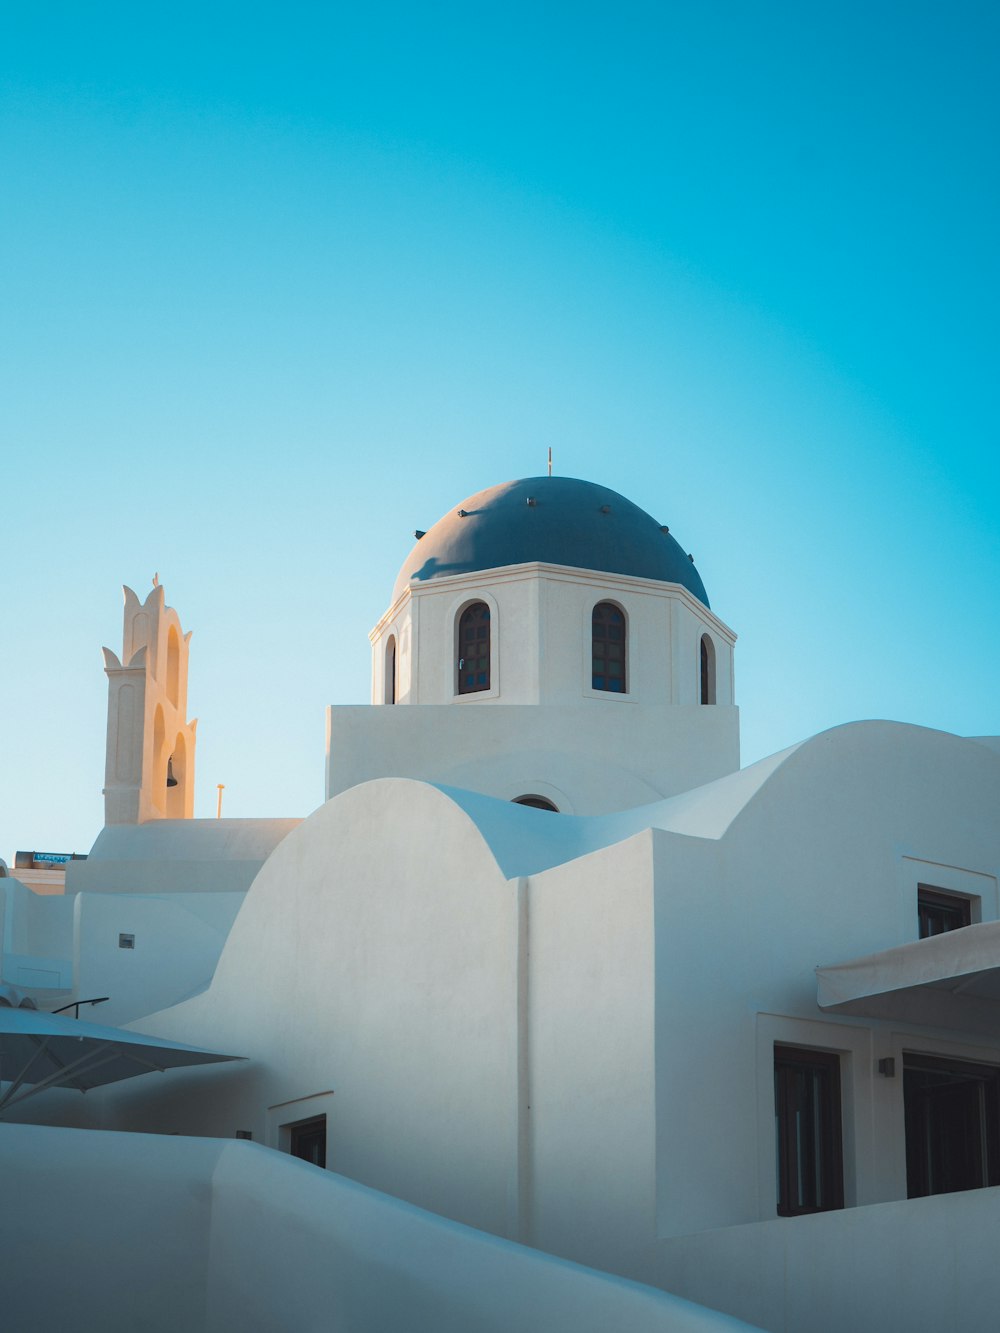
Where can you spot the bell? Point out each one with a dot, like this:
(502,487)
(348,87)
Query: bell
(171,780)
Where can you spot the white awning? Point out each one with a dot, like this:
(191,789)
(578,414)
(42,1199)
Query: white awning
(951,980)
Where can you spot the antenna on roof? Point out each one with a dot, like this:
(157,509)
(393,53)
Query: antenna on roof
(550,460)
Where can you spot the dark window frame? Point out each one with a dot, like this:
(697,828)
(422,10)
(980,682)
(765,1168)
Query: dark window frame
(939,912)
(808,1131)
(707,656)
(951,1124)
(608,669)
(474,666)
(307,1140)
(389,688)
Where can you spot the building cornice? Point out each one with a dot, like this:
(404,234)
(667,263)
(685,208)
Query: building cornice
(490,578)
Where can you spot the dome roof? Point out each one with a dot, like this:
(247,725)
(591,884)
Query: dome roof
(554,520)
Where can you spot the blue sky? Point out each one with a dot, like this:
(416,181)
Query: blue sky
(279,284)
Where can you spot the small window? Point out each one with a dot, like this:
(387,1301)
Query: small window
(707,670)
(609,644)
(389,692)
(939,912)
(307,1140)
(536,802)
(474,649)
(807,1131)
(952,1123)
(126,941)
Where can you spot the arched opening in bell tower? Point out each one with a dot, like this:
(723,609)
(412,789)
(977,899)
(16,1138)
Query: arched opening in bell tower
(176,780)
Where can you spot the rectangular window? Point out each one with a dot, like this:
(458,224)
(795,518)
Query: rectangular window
(808,1135)
(940,912)
(952,1120)
(307,1140)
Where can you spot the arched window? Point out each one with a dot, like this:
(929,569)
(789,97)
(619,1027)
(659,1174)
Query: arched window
(536,802)
(389,687)
(474,649)
(609,643)
(707,670)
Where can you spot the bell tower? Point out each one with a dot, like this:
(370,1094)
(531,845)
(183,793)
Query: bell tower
(149,769)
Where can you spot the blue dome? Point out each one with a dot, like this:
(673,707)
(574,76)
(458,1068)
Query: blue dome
(554,520)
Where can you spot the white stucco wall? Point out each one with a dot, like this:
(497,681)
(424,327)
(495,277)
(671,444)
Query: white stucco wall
(202,1234)
(177,942)
(541,638)
(454,1028)
(60,949)
(36,938)
(817,861)
(923,1266)
(174,885)
(83,1245)
(588,751)
(591,1128)
(586,760)
(822,865)
(177,855)
(362,964)
(563,1029)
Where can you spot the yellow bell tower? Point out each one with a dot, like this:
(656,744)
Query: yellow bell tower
(149,769)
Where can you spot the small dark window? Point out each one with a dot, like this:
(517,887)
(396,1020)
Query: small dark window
(808,1131)
(707,670)
(307,1140)
(126,941)
(952,1120)
(609,642)
(474,649)
(939,912)
(389,692)
(536,802)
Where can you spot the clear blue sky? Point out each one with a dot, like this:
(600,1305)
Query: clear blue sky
(279,284)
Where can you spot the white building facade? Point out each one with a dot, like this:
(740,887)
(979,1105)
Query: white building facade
(732,1033)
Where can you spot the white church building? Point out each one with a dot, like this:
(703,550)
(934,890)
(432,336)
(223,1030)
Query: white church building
(547,964)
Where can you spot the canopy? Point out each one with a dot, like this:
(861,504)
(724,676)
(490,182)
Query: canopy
(950,980)
(39,1051)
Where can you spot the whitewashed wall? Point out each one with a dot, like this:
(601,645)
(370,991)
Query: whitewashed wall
(541,638)
(203,1235)
(587,760)
(571,1042)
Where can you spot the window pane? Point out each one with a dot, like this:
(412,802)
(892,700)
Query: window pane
(608,649)
(939,912)
(474,639)
(952,1125)
(808,1134)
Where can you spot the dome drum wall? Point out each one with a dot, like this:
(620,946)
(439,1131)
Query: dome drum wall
(541,639)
